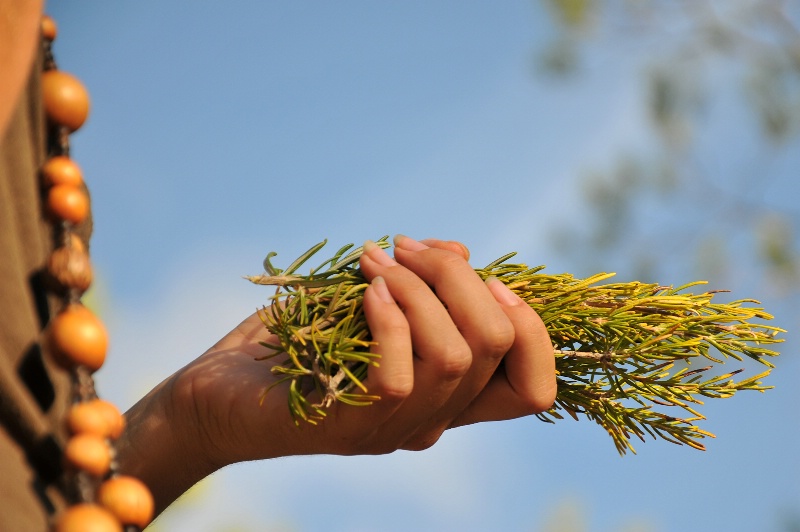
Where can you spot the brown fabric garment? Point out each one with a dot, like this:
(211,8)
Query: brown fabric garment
(34,393)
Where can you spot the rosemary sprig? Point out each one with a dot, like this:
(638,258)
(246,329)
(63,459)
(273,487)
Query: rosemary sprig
(623,350)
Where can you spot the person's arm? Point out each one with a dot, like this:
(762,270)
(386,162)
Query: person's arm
(158,446)
(442,333)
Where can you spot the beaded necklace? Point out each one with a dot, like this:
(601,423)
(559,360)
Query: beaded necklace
(102,499)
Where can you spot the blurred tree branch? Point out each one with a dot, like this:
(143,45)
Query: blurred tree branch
(722,98)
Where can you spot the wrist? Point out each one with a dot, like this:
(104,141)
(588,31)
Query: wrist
(160,447)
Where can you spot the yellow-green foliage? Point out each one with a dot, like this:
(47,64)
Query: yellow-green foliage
(625,352)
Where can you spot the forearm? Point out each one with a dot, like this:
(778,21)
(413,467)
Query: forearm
(159,449)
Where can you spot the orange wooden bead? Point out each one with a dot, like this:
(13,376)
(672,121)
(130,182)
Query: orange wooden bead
(85,418)
(87,517)
(68,203)
(77,337)
(88,452)
(128,499)
(96,417)
(66,101)
(115,419)
(49,28)
(61,170)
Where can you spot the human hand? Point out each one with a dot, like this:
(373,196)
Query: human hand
(454,351)
(476,352)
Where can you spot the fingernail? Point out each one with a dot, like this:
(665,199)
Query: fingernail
(408,243)
(375,252)
(379,285)
(502,293)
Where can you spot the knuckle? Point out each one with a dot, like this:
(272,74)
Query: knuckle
(454,361)
(396,391)
(395,329)
(442,263)
(449,261)
(498,340)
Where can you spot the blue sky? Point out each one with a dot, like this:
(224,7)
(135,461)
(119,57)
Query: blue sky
(222,131)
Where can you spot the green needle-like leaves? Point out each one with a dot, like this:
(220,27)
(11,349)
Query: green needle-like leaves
(624,351)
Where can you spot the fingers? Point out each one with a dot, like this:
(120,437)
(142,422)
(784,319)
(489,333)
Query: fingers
(459,332)
(353,430)
(526,382)
(423,310)
(471,306)
(393,378)
(442,333)
(530,364)
(473,309)
(441,355)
